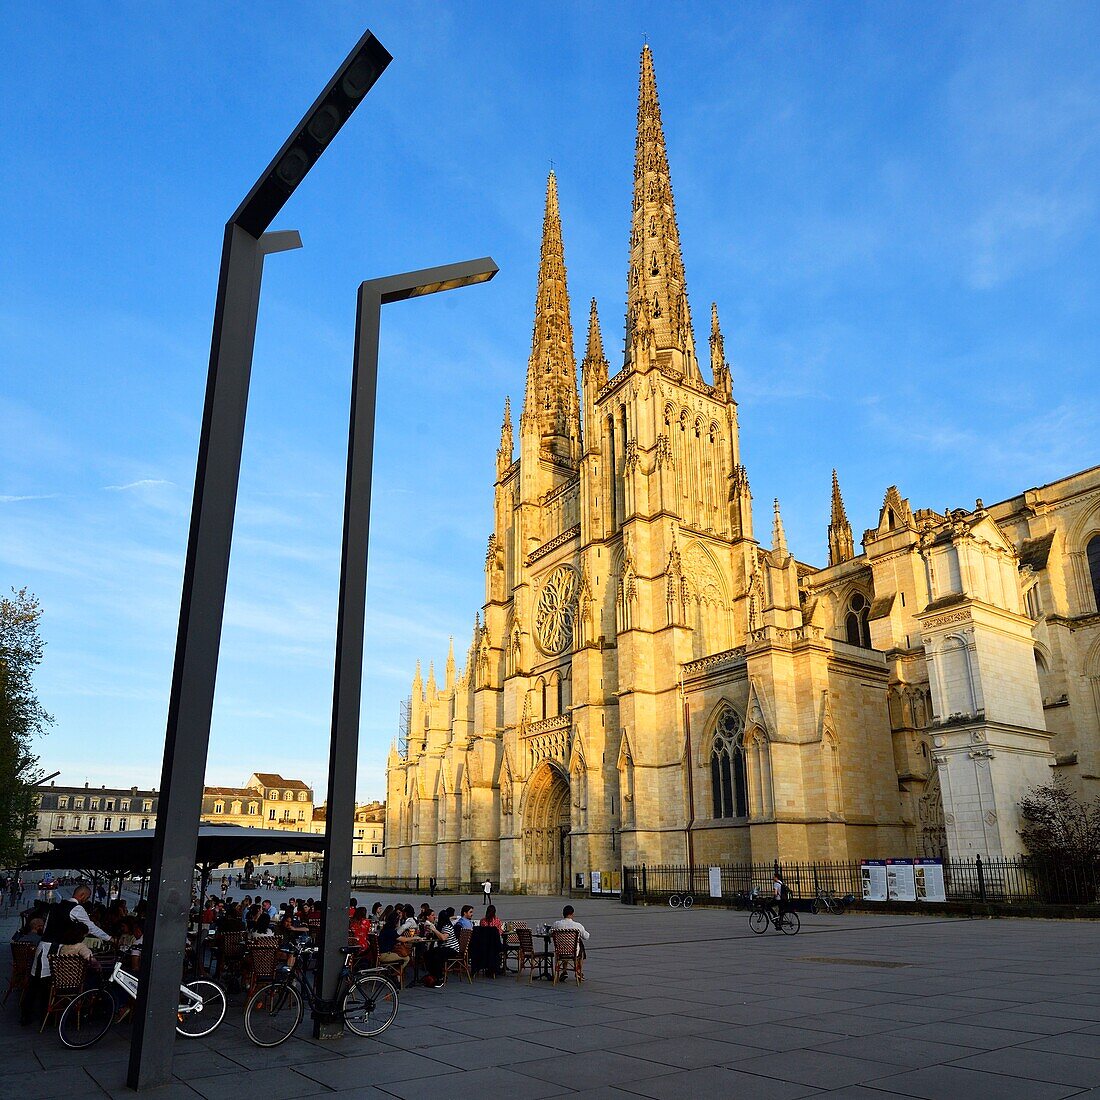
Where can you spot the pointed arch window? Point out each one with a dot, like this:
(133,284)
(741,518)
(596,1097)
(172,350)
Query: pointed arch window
(656,306)
(1092,553)
(727,766)
(857,625)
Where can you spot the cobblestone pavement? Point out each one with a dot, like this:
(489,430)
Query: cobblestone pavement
(681,1005)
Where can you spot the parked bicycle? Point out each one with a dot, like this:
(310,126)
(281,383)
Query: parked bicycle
(828,902)
(678,900)
(764,914)
(88,1017)
(368,1000)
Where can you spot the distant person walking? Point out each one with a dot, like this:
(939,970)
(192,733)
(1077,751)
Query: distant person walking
(431,886)
(487,891)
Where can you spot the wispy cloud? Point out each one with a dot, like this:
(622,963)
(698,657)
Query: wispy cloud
(141,483)
(6,499)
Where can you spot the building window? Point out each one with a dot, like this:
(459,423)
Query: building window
(95,804)
(273,795)
(374,849)
(288,796)
(60,826)
(727,767)
(78,803)
(63,802)
(122,824)
(236,808)
(110,803)
(302,796)
(91,824)
(147,805)
(301,815)
(124,805)
(857,627)
(1093,554)
(271,814)
(145,823)
(106,824)
(253,808)
(219,807)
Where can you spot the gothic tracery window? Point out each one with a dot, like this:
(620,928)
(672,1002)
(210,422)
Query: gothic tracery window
(727,767)
(857,626)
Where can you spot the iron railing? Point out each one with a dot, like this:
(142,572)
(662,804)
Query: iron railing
(1023,880)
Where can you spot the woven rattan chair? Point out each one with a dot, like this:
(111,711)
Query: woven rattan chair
(22,955)
(231,952)
(258,966)
(511,942)
(565,954)
(460,964)
(66,983)
(528,958)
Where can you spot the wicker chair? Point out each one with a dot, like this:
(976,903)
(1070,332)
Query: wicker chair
(67,983)
(511,942)
(258,966)
(565,954)
(231,952)
(460,964)
(22,955)
(528,958)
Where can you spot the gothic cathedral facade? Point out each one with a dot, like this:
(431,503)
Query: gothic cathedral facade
(648,683)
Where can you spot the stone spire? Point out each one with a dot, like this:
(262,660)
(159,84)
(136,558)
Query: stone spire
(595,362)
(504,452)
(551,407)
(779,536)
(658,319)
(431,688)
(720,369)
(418,681)
(450,673)
(841,546)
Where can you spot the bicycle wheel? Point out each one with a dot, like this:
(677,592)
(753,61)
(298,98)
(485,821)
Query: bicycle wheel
(195,1020)
(87,1018)
(815,906)
(758,921)
(688,901)
(273,1014)
(674,901)
(370,1005)
(789,924)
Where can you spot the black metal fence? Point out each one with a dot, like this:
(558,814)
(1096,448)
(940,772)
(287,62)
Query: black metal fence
(1024,880)
(417,884)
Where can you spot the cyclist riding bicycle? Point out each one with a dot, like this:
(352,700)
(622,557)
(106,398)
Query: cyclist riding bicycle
(777,904)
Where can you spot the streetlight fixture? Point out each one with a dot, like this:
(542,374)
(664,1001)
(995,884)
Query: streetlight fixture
(206,570)
(348,675)
(25,817)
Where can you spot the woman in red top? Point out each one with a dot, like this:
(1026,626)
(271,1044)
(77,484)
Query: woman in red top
(491,920)
(360,927)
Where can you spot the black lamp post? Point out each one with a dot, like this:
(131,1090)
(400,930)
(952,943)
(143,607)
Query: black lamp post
(348,677)
(206,570)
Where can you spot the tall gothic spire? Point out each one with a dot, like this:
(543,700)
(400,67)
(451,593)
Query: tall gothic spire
(720,369)
(779,536)
(504,452)
(450,672)
(657,315)
(550,405)
(841,546)
(595,362)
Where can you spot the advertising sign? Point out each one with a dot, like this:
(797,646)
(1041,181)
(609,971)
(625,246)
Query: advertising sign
(928,880)
(715,882)
(595,882)
(899,880)
(872,876)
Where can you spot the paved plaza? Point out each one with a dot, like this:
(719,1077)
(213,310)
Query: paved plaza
(683,1005)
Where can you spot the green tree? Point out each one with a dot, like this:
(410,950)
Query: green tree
(22,717)
(1062,833)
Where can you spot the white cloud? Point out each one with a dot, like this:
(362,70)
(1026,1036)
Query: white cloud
(142,483)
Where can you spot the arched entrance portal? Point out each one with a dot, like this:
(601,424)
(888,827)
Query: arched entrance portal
(546,831)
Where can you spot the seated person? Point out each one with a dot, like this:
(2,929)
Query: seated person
(568,924)
(391,952)
(491,920)
(444,948)
(32,933)
(466,920)
(360,927)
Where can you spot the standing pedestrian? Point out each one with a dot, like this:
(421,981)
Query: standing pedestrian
(431,886)
(487,891)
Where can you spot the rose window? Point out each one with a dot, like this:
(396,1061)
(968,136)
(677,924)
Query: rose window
(556,610)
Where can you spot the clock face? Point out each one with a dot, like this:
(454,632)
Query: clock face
(557,608)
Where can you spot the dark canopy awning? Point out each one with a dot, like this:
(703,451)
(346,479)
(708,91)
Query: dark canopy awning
(133,851)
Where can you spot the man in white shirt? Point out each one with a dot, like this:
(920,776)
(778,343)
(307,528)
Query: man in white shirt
(568,924)
(487,891)
(62,913)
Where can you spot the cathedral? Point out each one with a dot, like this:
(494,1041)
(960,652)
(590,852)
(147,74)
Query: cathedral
(653,679)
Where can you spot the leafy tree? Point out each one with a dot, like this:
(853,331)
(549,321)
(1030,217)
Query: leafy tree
(1062,833)
(22,717)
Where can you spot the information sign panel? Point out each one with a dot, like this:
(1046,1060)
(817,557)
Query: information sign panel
(928,880)
(715,882)
(899,880)
(872,874)
(595,882)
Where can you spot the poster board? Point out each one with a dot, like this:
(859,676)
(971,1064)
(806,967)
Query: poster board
(596,882)
(928,880)
(899,880)
(715,874)
(872,877)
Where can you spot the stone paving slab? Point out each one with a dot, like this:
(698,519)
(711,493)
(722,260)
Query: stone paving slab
(683,1005)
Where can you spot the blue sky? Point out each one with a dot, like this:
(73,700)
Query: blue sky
(895,207)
